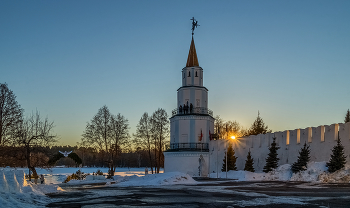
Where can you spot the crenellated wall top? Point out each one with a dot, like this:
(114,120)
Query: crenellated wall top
(323,133)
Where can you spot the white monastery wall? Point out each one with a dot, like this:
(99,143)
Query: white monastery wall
(321,140)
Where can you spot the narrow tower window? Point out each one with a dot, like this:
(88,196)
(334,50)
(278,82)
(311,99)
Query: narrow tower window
(196,74)
(184,74)
(189,73)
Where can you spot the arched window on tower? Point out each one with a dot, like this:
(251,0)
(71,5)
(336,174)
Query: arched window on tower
(196,74)
(189,73)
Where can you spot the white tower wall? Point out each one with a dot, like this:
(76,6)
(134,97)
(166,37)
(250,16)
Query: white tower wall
(190,123)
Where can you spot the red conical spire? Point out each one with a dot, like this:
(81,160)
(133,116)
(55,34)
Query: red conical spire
(192,59)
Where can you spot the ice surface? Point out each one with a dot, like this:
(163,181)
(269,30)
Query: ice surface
(170,178)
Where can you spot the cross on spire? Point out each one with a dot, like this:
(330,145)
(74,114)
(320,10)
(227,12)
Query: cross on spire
(194,25)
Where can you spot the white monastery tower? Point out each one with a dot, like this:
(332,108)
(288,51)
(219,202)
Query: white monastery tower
(190,123)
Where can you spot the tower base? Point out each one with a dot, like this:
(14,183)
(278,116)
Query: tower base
(193,163)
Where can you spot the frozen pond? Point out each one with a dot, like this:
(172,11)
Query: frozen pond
(59,174)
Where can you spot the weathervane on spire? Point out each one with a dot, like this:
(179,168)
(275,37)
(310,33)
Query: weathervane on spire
(194,25)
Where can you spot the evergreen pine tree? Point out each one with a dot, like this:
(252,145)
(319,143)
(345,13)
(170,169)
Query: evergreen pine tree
(303,159)
(231,160)
(249,163)
(272,159)
(338,158)
(258,127)
(347,117)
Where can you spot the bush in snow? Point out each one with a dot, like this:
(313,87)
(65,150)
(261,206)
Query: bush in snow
(338,158)
(303,159)
(76,176)
(272,159)
(249,163)
(99,172)
(231,160)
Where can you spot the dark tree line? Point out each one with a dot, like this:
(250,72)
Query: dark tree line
(14,157)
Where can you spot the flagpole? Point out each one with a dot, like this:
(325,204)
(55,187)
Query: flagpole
(226,159)
(209,160)
(209,154)
(226,150)
(217,165)
(201,141)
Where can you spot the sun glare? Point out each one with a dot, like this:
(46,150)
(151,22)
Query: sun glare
(233,137)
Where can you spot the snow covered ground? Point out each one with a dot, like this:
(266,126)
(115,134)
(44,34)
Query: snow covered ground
(15,191)
(316,172)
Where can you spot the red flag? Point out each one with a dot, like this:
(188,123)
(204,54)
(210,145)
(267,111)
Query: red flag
(210,136)
(200,138)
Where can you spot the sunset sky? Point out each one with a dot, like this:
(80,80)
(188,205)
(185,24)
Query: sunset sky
(290,60)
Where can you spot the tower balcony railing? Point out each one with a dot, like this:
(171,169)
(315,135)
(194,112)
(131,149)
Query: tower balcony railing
(189,146)
(192,111)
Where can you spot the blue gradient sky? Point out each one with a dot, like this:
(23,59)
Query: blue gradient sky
(288,59)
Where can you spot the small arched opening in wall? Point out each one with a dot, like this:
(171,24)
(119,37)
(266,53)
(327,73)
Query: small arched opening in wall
(336,136)
(323,131)
(309,135)
(287,138)
(298,136)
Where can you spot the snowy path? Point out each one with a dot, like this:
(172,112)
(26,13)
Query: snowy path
(209,194)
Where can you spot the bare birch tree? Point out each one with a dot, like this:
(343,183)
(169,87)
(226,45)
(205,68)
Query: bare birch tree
(98,133)
(120,135)
(108,134)
(160,132)
(33,134)
(143,135)
(224,129)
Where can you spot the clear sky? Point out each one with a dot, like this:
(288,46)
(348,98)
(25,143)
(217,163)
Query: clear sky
(288,59)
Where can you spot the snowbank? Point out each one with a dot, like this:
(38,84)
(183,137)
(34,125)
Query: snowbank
(170,178)
(340,176)
(95,177)
(282,173)
(311,174)
(316,172)
(15,191)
